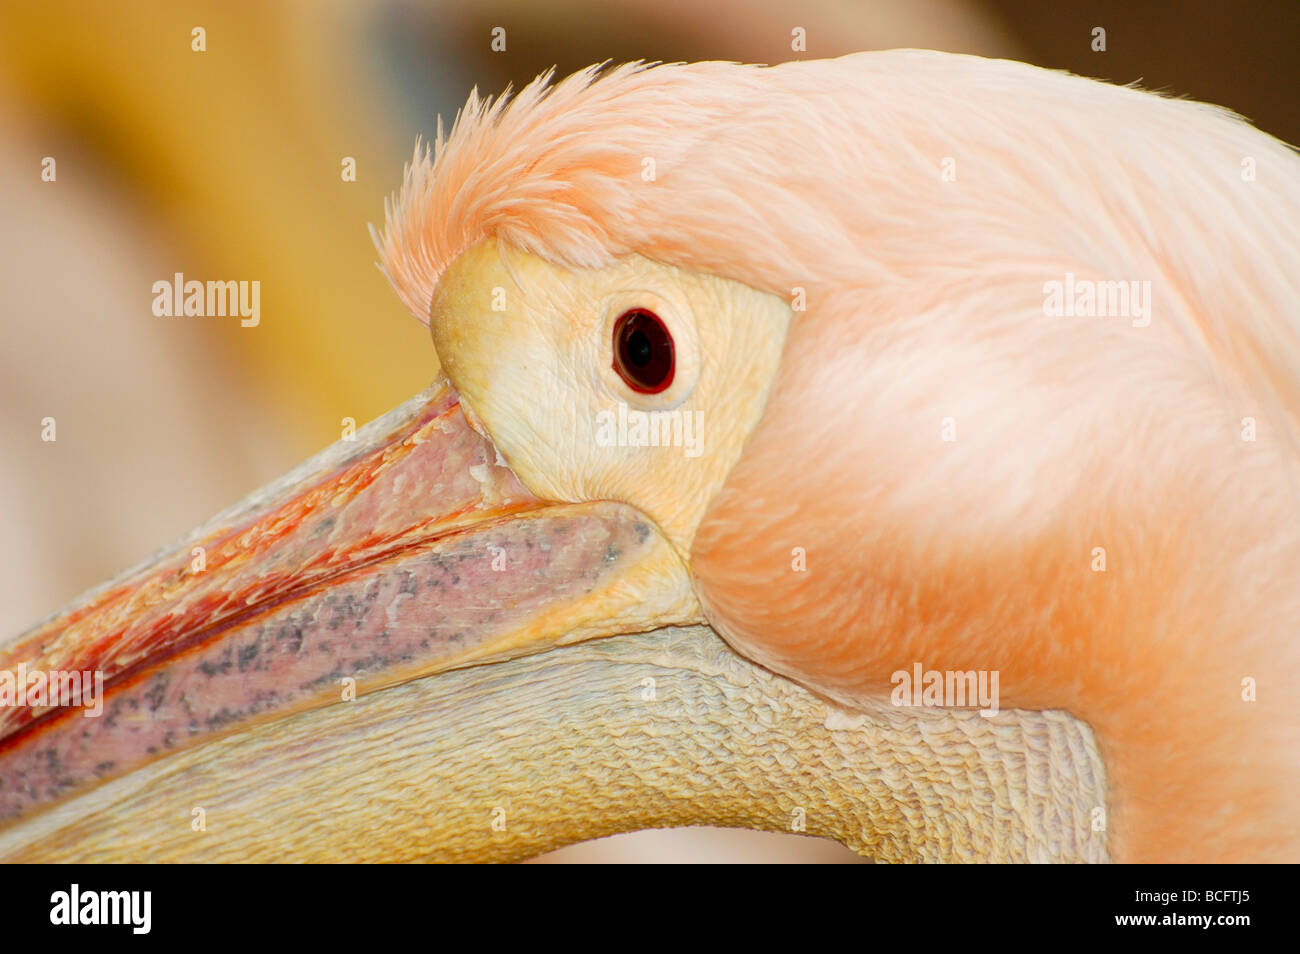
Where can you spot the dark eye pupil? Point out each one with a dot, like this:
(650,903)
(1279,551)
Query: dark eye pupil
(639,349)
(643,351)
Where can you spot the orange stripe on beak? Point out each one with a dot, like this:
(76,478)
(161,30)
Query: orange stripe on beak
(405,553)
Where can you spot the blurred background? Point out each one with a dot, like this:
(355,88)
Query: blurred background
(227,163)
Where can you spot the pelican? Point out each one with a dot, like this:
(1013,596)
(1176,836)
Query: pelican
(758,389)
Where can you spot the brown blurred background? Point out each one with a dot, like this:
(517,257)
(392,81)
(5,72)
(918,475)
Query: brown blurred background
(225,164)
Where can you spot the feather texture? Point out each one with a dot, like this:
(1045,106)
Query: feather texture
(948,455)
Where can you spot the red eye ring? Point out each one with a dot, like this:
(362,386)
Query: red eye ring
(644,356)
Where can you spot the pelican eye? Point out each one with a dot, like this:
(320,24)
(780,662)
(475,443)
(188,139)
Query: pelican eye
(643,351)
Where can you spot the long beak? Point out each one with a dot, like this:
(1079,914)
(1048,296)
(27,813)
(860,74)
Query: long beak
(369,660)
(411,550)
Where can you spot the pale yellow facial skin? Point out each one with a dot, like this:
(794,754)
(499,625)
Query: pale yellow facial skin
(529,346)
